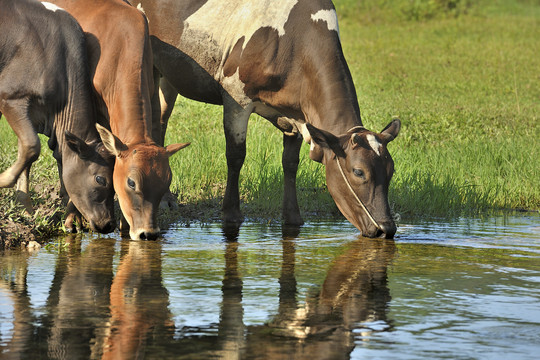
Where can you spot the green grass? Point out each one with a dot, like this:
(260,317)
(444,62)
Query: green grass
(15,225)
(465,85)
(200,170)
(466,90)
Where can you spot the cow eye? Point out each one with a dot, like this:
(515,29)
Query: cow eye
(101,180)
(131,183)
(359,173)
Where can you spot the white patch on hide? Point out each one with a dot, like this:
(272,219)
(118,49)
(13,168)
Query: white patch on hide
(228,21)
(235,88)
(140,8)
(374,143)
(51,7)
(329,16)
(306,135)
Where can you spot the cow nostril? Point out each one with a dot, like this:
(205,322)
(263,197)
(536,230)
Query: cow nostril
(148,235)
(388,230)
(103,228)
(109,227)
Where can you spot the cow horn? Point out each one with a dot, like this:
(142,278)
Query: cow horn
(356,129)
(355,139)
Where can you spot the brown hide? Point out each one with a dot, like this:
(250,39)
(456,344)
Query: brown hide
(121,61)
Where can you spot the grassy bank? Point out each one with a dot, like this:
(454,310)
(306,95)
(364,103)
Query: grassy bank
(464,81)
(465,87)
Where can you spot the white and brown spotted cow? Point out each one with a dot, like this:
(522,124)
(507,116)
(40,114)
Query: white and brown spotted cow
(281,59)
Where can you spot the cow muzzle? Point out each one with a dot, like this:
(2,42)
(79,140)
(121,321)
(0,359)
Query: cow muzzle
(387,230)
(146,234)
(103,227)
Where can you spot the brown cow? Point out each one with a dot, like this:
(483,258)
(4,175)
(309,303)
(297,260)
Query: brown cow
(281,59)
(121,60)
(45,87)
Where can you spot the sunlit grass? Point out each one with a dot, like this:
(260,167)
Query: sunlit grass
(466,90)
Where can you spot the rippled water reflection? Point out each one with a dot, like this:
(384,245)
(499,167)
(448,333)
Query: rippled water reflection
(468,289)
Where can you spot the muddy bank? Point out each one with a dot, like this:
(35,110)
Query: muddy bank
(18,229)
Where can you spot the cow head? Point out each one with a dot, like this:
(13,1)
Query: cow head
(87,178)
(141,177)
(358,172)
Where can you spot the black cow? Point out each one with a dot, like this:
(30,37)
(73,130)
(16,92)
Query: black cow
(45,87)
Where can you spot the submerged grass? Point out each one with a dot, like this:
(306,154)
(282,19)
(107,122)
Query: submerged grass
(464,82)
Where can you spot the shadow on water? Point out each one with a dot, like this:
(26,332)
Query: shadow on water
(94,310)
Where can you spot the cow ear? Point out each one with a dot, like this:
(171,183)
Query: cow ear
(391,130)
(173,148)
(78,146)
(113,144)
(325,140)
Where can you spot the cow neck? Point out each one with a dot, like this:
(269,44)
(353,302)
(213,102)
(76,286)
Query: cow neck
(128,101)
(77,115)
(335,113)
(131,127)
(329,99)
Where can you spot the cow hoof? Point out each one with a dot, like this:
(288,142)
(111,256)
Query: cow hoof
(70,229)
(289,232)
(24,199)
(234,218)
(69,224)
(293,220)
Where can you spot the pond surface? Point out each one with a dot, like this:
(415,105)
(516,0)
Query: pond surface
(468,289)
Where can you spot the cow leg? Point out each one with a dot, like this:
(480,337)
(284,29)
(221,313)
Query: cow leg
(29,146)
(165,99)
(124,226)
(22,193)
(235,119)
(289,160)
(73,216)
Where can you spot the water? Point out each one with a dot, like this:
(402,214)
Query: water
(468,289)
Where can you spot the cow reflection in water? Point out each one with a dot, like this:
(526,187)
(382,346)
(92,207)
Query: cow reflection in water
(91,312)
(139,303)
(355,291)
(13,271)
(99,314)
(78,303)
(96,312)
